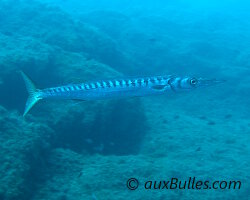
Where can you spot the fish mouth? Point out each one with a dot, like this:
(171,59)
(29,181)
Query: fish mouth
(210,82)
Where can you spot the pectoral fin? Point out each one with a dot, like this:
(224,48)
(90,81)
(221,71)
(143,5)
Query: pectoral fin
(159,87)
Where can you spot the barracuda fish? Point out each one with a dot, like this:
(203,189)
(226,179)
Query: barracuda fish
(117,88)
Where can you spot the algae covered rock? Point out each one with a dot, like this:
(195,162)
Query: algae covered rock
(22,51)
(23,147)
(44,23)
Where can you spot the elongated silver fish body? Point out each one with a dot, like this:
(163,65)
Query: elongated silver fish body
(117,88)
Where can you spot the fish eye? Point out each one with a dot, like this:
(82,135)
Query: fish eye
(193,81)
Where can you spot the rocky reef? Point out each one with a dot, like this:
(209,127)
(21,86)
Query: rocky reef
(24,147)
(88,150)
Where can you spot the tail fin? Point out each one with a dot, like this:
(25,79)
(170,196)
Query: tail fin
(34,94)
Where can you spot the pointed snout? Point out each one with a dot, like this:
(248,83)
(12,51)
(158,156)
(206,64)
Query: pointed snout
(208,82)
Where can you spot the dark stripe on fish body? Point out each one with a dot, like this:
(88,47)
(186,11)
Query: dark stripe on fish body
(95,84)
(159,79)
(133,83)
(127,82)
(104,84)
(170,81)
(122,83)
(107,84)
(110,84)
(70,88)
(114,83)
(152,80)
(179,83)
(98,85)
(139,81)
(90,86)
(101,83)
(59,91)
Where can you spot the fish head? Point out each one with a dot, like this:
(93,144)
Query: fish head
(189,83)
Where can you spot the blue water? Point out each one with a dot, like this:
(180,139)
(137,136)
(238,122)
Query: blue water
(71,150)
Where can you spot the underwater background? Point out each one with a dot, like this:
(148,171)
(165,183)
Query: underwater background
(66,150)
